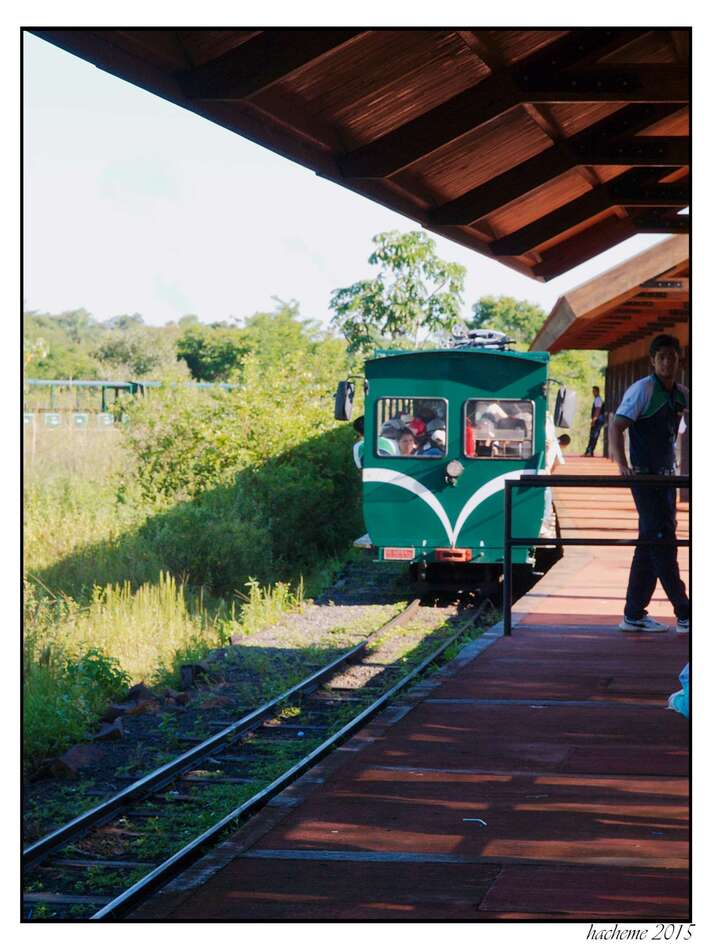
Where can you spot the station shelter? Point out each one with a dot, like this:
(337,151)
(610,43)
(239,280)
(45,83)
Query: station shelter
(621,311)
(539,148)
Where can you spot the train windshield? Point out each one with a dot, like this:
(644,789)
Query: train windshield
(498,428)
(411,427)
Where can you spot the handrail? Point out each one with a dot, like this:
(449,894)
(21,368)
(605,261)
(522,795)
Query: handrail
(572,481)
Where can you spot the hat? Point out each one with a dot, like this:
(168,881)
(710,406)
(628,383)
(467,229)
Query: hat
(392,428)
(437,436)
(417,427)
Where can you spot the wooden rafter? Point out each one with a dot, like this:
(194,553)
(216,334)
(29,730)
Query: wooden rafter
(262,61)
(418,106)
(654,222)
(489,99)
(537,171)
(625,192)
(660,83)
(575,250)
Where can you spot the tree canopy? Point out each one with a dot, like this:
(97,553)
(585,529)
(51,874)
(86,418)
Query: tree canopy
(519,319)
(415,295)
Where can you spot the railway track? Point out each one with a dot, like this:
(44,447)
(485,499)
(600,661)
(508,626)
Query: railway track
(94,870)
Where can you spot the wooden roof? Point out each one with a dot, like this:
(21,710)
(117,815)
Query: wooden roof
(538,147)
(646,294)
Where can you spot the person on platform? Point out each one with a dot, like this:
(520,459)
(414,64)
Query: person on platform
(651,410)
(597,419)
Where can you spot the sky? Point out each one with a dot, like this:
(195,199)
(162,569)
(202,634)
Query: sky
(133,205)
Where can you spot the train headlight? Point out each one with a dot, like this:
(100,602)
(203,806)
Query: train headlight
(453,471)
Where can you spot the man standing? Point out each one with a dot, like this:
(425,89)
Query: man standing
(651,410)
(597,420)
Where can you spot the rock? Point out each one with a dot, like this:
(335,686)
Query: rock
(141,692)
(115,711)
(75,759)
(190,673)
(111,730)
(142,706)
(175,697)
(214,702)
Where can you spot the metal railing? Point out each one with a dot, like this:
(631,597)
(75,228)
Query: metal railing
(573,481)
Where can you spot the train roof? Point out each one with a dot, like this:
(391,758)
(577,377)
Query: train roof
(461,351)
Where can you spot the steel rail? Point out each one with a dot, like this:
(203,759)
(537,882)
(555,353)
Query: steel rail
(165,774)
(189,852)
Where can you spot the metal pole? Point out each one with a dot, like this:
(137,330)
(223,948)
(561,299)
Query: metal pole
(507,578)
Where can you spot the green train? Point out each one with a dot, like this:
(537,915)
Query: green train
(442,430)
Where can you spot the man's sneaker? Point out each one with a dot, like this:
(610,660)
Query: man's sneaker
(646,624)
(683,626)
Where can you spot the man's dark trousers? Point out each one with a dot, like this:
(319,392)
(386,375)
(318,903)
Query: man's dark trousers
(656,513)
(596,427)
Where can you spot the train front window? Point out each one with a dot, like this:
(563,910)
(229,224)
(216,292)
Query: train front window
(498,428)
(411,427)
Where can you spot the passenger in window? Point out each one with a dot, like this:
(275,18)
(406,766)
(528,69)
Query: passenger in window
(485,446)
(407,443)
(392,429)
(435,446)
(418,428)
(387,446)
(512,432)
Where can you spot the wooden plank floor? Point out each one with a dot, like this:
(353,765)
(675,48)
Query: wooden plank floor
(540,779)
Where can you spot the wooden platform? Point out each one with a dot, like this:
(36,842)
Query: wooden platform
(539,778)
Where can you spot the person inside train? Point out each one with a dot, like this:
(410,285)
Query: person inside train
(485,446)
(511,432)
(435,446)
(407,443)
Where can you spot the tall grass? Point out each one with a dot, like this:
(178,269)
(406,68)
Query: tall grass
(123,587)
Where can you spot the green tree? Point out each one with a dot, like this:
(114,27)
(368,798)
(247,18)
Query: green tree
(414,296)
(79,325)
(519,319)
(213,354)
(271,335)
(139,352)
(124,321)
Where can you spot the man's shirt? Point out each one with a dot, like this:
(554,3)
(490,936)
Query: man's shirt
(654,413)
(597,405)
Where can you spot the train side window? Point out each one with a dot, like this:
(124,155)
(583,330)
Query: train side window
(412,427)
(499,428)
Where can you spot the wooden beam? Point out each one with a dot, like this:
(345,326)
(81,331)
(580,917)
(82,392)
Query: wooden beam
(681,44)
(673,285)
(542,168)
(662,82)
(672,150)
(582,247)
(477,105)
(446,123)
(272,55)
(650,222)
(483,50)
(595,202)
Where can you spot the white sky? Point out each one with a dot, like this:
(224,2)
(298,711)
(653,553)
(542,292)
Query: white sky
(135,205)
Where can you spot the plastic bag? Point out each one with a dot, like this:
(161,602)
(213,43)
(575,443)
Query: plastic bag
(680,701)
